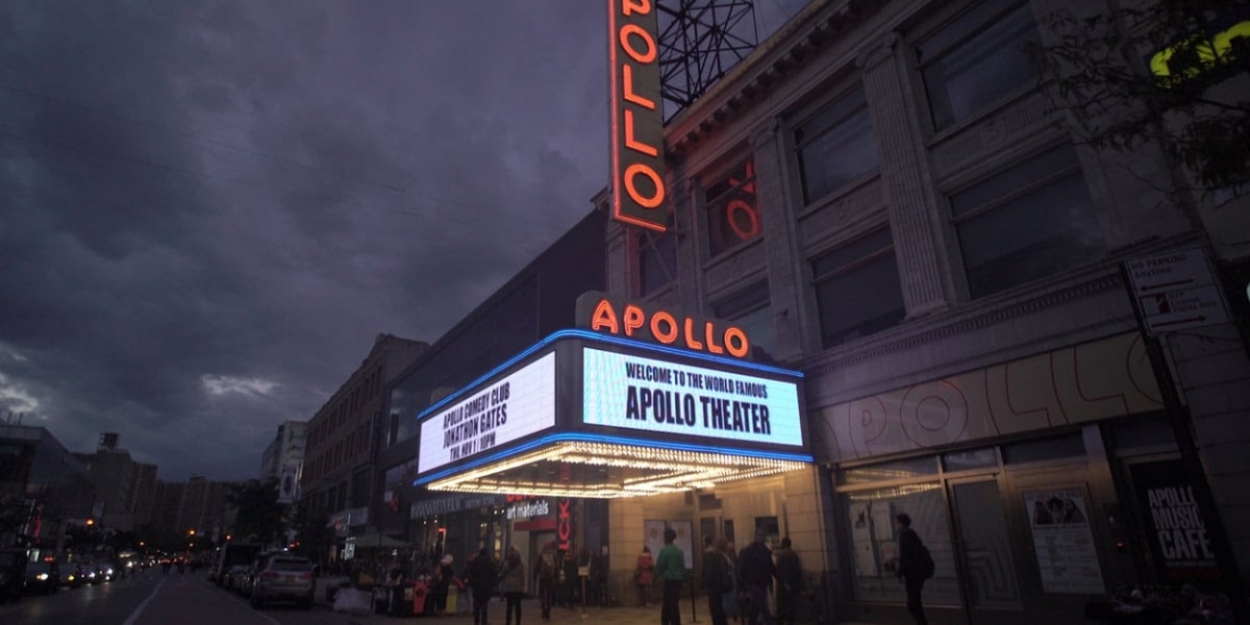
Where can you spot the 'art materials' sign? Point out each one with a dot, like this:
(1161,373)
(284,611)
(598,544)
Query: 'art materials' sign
(518,405)
(657,396)
(637,117)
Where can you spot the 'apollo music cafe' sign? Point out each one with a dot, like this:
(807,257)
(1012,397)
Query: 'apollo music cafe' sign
(593,414)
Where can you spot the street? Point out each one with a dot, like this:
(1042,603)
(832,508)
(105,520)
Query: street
(153,598)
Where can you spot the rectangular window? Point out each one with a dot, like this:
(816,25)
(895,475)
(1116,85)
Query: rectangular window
(857,289)
(733,214)
(835,146)
(978,58)
(752,311)
(874,541)
(657,260)
(1033,220)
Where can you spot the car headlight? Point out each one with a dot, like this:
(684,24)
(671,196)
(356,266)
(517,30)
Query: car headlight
(110,572)
(42,577)
(71,577)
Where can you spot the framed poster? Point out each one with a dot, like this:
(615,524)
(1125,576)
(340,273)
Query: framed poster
(1063,541)
(684,541)
(653,536)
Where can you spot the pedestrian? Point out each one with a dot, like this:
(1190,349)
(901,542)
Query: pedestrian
(789,582)
(441,586)
(915,565)
(545,572)
(671,567)
(482,578)
(512,583)
(644,576)
(730,599)
(756,571)
(716,580)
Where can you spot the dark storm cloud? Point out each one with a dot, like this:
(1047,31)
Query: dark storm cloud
(208,209)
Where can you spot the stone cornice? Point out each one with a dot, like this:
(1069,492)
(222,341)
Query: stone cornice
(812,29)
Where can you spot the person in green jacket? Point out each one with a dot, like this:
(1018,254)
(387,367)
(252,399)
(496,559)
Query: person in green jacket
(671,567)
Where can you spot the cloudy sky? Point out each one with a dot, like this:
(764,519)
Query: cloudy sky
(209,209)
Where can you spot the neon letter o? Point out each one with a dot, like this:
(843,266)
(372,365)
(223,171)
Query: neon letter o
(738,205)
(634,29)
(632,190)
(664,337)
(733,335)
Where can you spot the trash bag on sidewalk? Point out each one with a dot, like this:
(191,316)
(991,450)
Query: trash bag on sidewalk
(353,601)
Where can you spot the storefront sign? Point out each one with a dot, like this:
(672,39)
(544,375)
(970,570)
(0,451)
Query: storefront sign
(628,320)
(564,523)
(637,117)
(447,505)
(1179,536)
(527,509)
(1066,557)
(520,404)
(657,396)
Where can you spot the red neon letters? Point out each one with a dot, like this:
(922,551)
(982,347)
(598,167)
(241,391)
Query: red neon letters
(698,335)
(637,121)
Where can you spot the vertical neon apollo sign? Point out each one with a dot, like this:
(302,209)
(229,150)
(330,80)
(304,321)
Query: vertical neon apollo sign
(638,193)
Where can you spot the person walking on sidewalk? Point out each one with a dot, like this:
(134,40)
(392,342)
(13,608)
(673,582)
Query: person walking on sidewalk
(789,582)
(644,576)
(512,583)
(716,579)
(756,571)
(915,565)
(482,579)
(546,572)
(671,567)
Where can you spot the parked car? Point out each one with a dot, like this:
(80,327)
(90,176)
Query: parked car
(230,556)
(284,578)
(241,579)
(43,577)
(235,573)
(12,574)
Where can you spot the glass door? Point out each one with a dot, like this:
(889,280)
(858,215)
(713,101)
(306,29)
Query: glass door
(983,546)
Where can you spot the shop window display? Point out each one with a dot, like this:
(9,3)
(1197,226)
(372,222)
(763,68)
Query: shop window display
(874,541)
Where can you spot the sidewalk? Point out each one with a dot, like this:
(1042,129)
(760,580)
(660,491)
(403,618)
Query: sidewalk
(530,613)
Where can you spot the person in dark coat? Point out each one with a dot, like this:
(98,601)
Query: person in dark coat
(756,571)
(547,572)
(716,579)
(483,575)
(911,566)
(789,582)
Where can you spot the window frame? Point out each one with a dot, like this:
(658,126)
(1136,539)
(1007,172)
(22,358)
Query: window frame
(726,165)
(984,174)
(735,294)
(811,112)
(842,270)
(929,28)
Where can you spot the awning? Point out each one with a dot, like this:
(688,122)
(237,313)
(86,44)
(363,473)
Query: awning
(587,415)
(375,539)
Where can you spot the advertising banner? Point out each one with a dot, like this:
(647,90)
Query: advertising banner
(1177,529)
(520,404)
(1066,557)
(667,398)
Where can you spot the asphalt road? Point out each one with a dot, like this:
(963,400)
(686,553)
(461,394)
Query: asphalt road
(153,598)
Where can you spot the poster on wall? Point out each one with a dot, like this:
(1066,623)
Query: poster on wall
(861,539)
(1063,542)
(653,536)
(1178,533)
(685,541)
